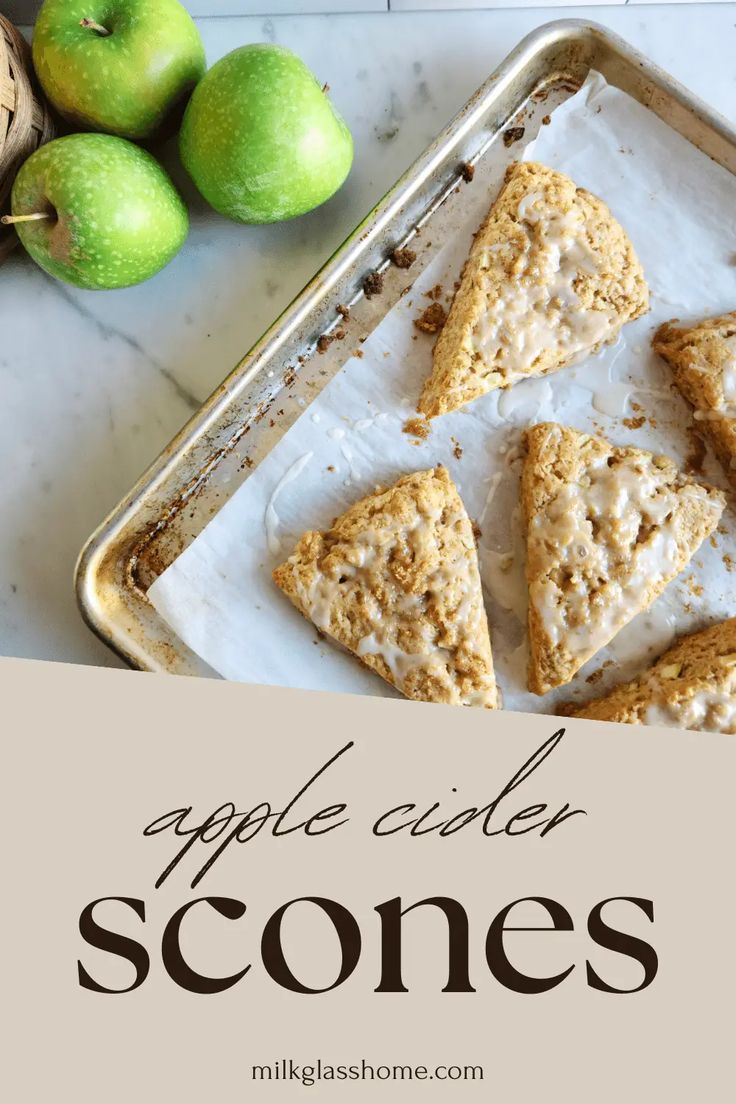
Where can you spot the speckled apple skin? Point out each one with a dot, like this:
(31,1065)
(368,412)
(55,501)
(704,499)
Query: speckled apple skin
(125,83)
(260,138)
(120,219)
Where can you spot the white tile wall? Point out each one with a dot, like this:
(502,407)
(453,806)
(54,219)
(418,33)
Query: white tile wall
(24,11)
(467,5)
(281,7)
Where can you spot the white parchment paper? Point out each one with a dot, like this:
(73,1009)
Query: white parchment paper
(679,209)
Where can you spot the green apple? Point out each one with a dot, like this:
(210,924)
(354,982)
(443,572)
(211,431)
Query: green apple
(260,138)
(97,211)
(117,65)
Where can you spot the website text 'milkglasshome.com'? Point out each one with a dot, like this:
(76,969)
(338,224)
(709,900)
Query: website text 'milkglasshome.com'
(310,1073)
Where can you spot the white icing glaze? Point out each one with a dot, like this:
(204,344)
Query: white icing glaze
(364,424)
(650,633)
(706,710)
(613,399)
(327,591)
(516,664)
(399,662)
(349,459)
(729,372)
(503,574)
(618,501)
(493,482)
(526,399)
(541,308)
(271,517)
(724,410)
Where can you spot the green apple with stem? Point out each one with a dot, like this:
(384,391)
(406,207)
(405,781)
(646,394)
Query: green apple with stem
(119,66)
(97,211)
(260,138)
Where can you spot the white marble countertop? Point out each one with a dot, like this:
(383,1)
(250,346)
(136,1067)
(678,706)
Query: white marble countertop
(94,384)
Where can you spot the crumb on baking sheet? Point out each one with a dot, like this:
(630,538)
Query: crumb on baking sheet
(416,427)
(728,562)
(457,448)
(330,467)
(432,319)
(696,453)
(635,423)
(546,120)
(595,676)
(477,532)
(467,171)
(373,284)
(403,258)
(324,342)
(434,292)
(358,353)
(513,134)
(343,310)
(694,587)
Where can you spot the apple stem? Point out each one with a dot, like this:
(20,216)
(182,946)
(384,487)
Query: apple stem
(8,220)
(93,26)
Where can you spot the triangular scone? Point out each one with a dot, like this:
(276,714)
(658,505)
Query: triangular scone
(396,582)
(693,685)
(703,362)
(551,276)
(607,529)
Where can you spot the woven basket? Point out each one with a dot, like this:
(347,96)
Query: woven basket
(25,120)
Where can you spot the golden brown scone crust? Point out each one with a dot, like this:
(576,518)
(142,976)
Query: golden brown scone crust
(607,529)
(395,580)
(692,685)
(699,356)
(515,257)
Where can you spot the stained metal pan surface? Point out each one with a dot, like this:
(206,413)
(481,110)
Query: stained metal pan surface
(265,393)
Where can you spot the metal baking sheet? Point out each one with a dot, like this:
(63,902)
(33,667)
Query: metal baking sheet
(270,388)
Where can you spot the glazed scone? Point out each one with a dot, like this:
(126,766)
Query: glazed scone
(703,363)
(396,582)
(693,685)
(607,529)
(551,277)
